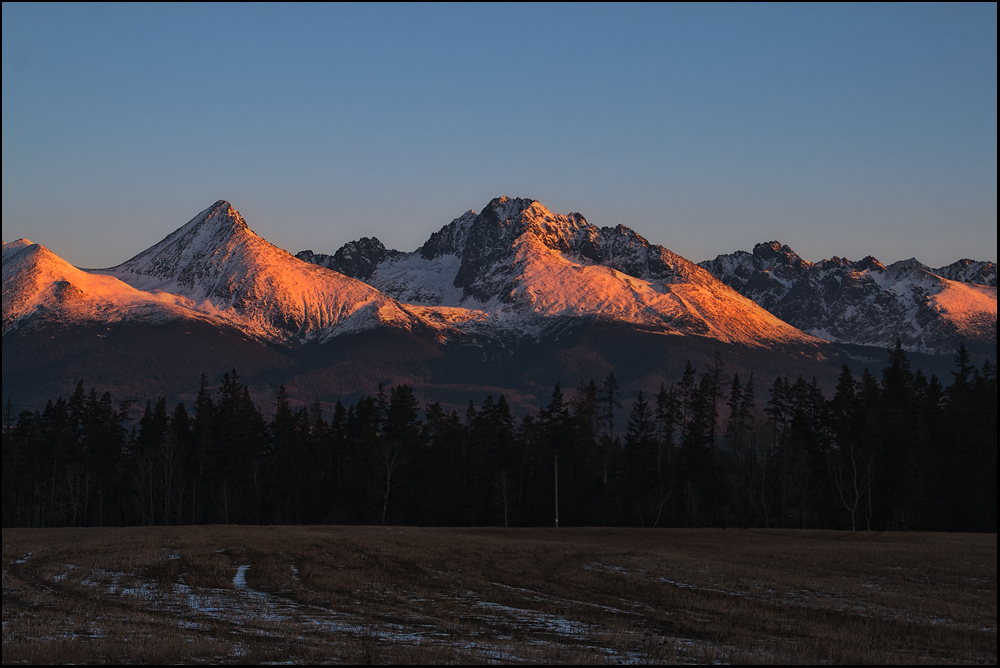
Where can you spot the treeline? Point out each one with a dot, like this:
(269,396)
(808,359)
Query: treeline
(897,452)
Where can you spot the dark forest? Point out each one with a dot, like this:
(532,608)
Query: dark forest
(897,451)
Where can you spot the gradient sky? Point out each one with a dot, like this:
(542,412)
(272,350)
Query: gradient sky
(838,130)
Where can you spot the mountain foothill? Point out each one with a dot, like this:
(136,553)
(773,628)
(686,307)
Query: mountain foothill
(507,301)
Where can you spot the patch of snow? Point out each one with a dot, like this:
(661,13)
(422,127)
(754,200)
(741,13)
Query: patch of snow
(240,579)
(415,280)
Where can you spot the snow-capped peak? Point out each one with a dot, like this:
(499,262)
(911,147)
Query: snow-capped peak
(183,259)
(524,268)
(217,262)
(220,214)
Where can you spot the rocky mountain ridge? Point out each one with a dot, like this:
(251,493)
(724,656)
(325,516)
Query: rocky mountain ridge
(865,302)
(513,270)
(523,269)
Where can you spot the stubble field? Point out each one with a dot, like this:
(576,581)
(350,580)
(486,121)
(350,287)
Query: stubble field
(406,595)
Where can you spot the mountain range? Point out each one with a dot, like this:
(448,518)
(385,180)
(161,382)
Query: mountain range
(866,302)
(518,269)
(507,300)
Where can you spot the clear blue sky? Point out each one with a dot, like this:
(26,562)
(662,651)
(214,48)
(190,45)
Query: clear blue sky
(839,130)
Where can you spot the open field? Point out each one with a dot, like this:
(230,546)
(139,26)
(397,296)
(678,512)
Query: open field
(375,595)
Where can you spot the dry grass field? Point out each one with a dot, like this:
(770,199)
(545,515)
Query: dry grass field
(226,594)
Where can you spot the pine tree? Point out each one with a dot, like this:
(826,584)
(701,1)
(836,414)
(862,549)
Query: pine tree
(686,393)
(181,438)
(611,392)
(667,416)
(641,431)
(646,497)
(586,409)
(202,466)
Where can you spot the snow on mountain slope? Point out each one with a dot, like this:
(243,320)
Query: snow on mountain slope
(37,283)
(425,276)
(414,279)
(972,308)
(513,269)
(522,269)
(217,262)
(865,302)
(550,283)
(969,271)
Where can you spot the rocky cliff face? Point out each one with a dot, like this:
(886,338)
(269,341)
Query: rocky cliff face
(356,259)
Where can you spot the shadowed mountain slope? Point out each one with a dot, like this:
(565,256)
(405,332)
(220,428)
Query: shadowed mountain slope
(867,303)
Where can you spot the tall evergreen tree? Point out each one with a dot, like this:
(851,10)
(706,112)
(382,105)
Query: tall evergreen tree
(611,393)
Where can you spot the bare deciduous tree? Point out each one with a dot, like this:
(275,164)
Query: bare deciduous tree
(853,480)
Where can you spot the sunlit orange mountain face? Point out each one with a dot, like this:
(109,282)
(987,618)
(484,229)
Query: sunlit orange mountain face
(507,301)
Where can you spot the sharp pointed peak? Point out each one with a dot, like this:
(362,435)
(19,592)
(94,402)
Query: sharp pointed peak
(221,220)
(220,213)
(870,263)
(213,228)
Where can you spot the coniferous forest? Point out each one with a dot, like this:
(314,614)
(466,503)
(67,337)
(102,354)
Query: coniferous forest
(894,451)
